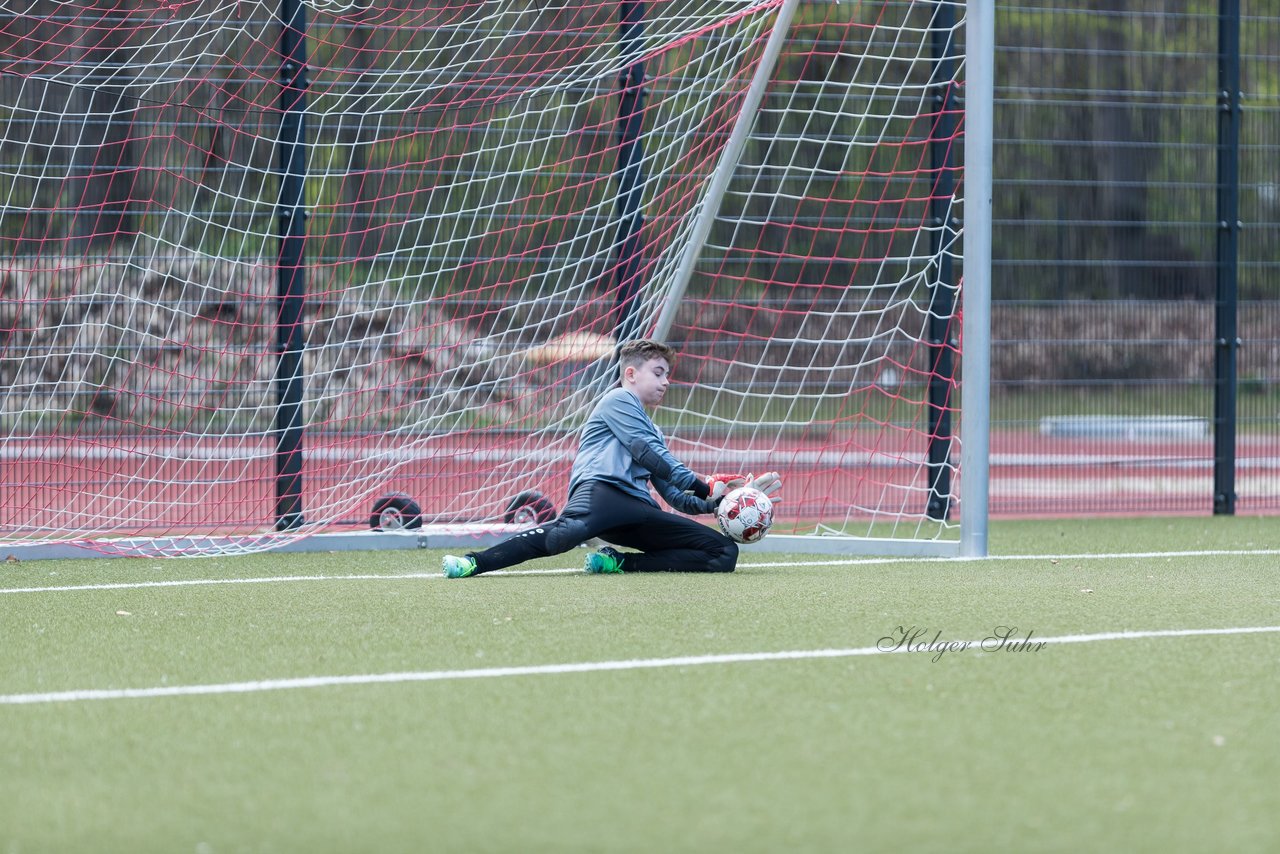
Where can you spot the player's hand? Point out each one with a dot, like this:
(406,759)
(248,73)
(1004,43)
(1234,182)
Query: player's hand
(719,484)
(768,483)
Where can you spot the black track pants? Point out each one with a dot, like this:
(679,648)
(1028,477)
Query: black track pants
(666,542)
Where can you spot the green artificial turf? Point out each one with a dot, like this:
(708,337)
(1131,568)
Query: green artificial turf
(1159,744)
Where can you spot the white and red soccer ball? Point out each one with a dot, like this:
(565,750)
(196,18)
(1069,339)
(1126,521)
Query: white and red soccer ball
(745,515)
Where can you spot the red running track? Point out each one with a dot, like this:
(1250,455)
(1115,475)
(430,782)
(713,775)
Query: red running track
(147,486)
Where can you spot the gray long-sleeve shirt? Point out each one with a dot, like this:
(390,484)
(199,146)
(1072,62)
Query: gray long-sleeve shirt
(605,453)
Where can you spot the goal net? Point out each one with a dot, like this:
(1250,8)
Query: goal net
(272,270)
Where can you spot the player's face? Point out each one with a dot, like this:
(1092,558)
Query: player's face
(650,380)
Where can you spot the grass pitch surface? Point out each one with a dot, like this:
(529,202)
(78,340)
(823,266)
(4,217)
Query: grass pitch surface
(358,702)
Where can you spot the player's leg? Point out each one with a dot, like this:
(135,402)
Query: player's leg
(554,537)
(592,507)
(667,542)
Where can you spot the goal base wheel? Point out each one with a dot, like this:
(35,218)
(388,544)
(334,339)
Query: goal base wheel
(530,507)
(395,512)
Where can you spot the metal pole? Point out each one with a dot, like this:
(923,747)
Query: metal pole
(942,296)
(291,272)
(1226,331)
(630,167)
(975,389)
(724,169)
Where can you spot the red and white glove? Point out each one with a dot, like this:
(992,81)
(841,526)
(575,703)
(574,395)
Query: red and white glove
(719,484)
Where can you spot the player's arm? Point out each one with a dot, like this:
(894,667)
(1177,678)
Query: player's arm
(712,488)
(628,422)
(719,485)
(683,500)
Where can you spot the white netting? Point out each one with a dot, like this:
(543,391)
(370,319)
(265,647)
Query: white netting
(494,191)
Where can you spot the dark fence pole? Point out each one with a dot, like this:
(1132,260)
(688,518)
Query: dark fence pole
(1226,332)
(630,171)
(942,294)
(291,285)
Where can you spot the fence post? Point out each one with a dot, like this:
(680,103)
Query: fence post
(291,272)
(1226,332)
(942,290)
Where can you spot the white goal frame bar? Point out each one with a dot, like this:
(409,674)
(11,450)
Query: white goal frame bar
(975,390)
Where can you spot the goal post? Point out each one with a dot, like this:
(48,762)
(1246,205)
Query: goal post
(407,265)
(975,398)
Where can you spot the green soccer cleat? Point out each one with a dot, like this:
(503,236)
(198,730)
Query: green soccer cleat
(605,560)
(459,567)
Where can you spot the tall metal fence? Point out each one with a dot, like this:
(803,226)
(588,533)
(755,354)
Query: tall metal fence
(1137,211)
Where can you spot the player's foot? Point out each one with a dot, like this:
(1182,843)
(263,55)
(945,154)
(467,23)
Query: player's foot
(605,560)
(459,567)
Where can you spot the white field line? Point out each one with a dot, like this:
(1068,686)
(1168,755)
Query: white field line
(567,668)
(436,576)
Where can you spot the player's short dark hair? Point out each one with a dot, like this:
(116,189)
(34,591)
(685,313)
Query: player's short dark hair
(636,353)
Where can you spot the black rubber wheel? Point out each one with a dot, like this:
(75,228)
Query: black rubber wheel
(530,508)
(395,512)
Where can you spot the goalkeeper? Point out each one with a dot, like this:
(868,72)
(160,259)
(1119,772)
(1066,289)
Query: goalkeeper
(620,453)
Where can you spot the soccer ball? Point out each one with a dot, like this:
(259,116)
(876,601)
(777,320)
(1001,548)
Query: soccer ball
(745,515)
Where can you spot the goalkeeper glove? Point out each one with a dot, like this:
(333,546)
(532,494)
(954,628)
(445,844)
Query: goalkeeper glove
(720,484)
(768,483)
